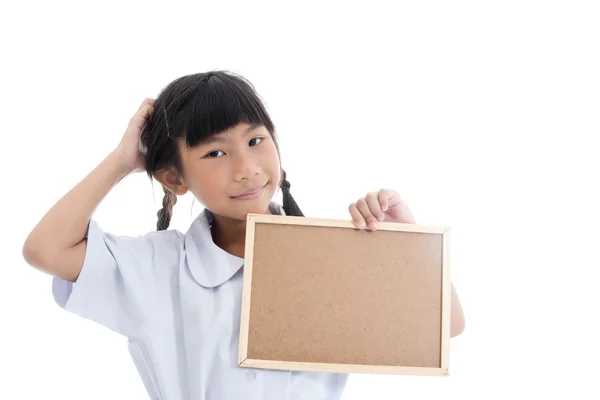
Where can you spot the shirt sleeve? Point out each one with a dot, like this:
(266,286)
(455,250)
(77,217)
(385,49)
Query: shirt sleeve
(117,285)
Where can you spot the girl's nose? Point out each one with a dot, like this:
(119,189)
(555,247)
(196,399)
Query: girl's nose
(245,169)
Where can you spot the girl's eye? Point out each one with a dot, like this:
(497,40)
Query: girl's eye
(213,154)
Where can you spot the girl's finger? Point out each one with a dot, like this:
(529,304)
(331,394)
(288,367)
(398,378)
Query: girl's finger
(148,111)
(146,101)
(143,104)
(363,207)
(357,217)
(385,196)
(374,206)
(141,117)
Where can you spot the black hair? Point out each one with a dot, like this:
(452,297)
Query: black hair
(196,107)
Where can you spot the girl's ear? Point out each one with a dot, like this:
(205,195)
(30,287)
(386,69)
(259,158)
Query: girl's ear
(170,179)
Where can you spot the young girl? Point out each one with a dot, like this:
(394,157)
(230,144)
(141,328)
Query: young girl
(175,296)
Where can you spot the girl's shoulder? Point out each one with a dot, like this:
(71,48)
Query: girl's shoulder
(166,237)
(162,247)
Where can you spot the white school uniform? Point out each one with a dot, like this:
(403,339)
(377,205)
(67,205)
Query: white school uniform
(177,297)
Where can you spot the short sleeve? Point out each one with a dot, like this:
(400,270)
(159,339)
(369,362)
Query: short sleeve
(118,283)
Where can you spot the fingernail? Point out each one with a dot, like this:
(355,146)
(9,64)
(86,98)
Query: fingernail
(373,225)
(361,224)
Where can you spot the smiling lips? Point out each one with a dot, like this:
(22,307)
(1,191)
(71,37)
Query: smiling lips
(251,194)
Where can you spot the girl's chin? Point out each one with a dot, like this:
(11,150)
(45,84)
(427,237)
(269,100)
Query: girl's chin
(259,205)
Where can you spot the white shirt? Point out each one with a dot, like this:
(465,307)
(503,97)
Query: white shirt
(177,298)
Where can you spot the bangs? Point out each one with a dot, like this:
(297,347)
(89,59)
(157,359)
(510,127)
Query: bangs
(221,102)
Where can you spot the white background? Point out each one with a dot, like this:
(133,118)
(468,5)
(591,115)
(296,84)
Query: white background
(484,116)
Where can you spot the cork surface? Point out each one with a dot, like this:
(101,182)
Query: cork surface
(343,296)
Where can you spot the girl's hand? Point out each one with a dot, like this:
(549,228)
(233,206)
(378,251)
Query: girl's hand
(128,149)
(383,206)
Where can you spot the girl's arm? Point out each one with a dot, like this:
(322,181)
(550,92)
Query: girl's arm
(57,244)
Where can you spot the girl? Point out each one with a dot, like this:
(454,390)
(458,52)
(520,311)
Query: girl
(175,296)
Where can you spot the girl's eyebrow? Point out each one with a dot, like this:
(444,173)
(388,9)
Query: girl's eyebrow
(220,139)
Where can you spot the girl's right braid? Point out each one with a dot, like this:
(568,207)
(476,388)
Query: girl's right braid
(166,212)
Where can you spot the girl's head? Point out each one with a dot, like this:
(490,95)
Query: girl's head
(211,134)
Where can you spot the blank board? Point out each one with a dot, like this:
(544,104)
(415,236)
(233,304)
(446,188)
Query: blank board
(322,295)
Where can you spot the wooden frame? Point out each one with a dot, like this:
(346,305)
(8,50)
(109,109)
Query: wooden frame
(441,367)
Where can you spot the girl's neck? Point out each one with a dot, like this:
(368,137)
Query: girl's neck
(230,234)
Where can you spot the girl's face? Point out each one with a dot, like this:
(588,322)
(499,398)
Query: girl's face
(234,173)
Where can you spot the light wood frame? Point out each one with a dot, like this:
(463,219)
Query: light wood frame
(244,361)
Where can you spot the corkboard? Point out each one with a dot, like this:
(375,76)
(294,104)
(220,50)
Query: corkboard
(321,295)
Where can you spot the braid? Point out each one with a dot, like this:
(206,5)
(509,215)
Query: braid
(166,212)
(289,204)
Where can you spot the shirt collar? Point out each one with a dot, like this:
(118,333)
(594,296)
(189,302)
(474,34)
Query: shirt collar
(210,265)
